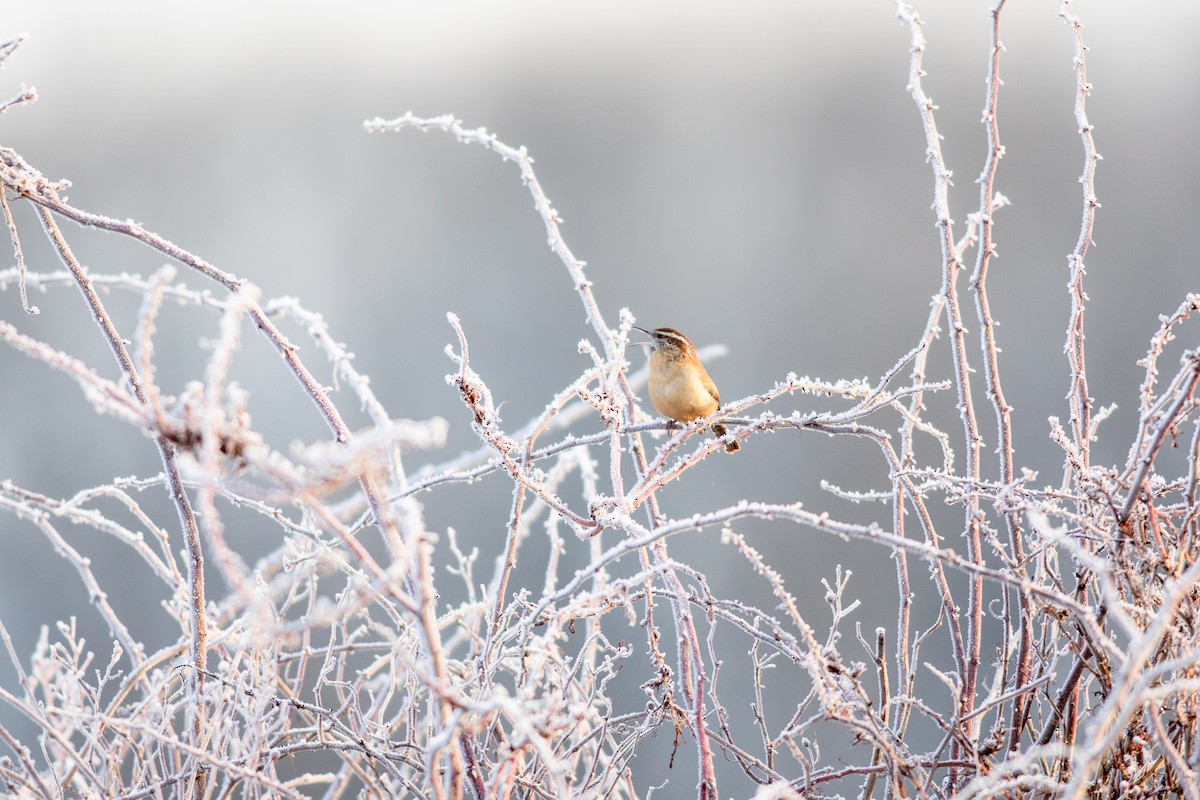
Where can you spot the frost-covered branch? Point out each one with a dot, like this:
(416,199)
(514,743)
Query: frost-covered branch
(1044,640)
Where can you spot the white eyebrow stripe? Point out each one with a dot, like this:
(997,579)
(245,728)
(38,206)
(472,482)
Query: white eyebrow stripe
(673,336)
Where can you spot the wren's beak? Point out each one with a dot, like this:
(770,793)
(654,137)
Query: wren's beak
(649,344)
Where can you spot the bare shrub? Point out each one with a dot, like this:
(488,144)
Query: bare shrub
(334,665)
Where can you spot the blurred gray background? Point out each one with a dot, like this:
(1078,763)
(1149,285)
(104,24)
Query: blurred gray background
(755,178)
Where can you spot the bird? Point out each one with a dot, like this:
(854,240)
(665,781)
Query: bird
(680,388)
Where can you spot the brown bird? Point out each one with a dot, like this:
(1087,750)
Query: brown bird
(679,385)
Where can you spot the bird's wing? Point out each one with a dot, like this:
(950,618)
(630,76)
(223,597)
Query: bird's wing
(710,387)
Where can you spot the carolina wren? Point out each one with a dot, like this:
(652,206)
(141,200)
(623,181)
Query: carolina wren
(679,385)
